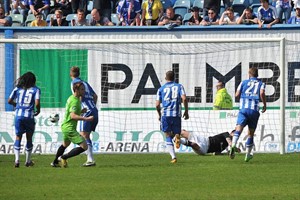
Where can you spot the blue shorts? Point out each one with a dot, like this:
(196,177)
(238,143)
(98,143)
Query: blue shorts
(248,117)
(24,125)
(171,124)
(85,126)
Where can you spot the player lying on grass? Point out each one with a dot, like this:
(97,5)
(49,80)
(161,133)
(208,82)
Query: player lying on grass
(203,145)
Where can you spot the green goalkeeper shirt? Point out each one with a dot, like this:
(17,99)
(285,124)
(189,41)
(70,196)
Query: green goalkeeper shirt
(73,105)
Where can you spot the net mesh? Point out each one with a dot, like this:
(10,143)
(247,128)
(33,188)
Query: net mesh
(126,78)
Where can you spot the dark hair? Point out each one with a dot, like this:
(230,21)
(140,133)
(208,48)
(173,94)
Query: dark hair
(27,80)
(79,10)
(213,9)
(221,83)
(75,71)
(38,14)
(249,9)
(77,85)
(229,9)
(170,76)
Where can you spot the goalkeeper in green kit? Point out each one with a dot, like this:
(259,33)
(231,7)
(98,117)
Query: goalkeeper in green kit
(68,127)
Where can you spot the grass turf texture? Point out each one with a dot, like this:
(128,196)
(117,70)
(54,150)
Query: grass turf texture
(151,176)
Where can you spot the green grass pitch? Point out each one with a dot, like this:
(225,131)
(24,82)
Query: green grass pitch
(151,176)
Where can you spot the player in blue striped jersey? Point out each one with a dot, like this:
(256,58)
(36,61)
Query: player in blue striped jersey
(250,92)
(168,106)
(88,102)
(26,98)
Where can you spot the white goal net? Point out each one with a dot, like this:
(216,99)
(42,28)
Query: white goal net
(127,74)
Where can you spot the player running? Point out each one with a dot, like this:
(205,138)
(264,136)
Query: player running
(250,92)
(170,96)
(26,98)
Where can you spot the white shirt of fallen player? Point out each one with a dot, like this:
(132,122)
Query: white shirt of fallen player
(201,141)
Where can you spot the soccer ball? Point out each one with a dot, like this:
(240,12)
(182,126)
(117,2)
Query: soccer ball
(54,117)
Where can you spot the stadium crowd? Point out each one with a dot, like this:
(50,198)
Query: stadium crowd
(168,13)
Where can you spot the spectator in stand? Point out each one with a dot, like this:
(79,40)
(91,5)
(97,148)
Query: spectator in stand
(295,19)
(20,7)
(283,7)
(63,5)
(296,3)
(38,21)
(212,18)
(207,4)
(80,20)
(59,20)
(170,18)
(4,20)
(5,4)
(79,4)
(152,10)
(266,14)
(104,7)
(228,17)
(115,5)
(247,17)
(39,6)
(97,20)
(129,12)
(196,18)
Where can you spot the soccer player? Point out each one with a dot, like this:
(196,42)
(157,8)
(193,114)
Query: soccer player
(202,145)
(250,92)
(88,101)
(68,127)
(26,98)
(170,97)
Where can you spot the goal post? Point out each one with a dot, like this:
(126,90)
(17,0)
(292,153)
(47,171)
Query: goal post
(126,74)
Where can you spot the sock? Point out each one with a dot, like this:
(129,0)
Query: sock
(89,151)
(17,147)
(74,152)
(170,147)
(249,145)
(60,152)
(29,147)
(235,138)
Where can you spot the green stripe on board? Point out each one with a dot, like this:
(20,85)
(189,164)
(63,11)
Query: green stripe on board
(52,70)
(191,108)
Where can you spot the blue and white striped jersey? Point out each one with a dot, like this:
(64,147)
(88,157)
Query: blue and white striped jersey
(250,93)
(25,100)
(268,15)
(87,101)
(170,97)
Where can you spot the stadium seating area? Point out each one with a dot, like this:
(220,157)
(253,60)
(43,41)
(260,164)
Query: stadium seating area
(181,7)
